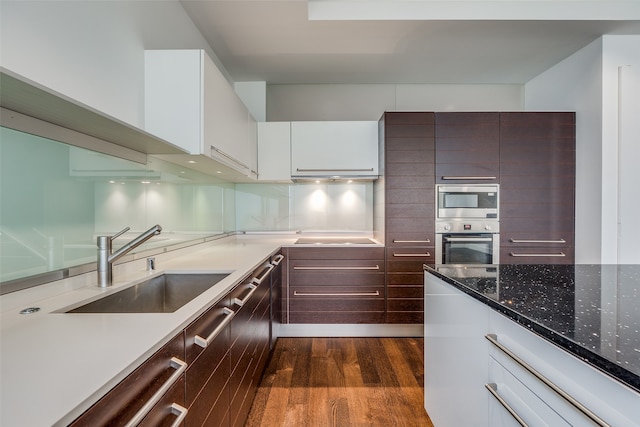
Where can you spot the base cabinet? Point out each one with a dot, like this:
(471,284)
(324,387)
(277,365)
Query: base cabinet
(127,401)
(336,285)
(484,369)
(205,376)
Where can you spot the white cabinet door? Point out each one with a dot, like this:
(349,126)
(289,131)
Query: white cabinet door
(455,356)
(274,151)
(188,102)
(334,148)
(173,91)
(604,397)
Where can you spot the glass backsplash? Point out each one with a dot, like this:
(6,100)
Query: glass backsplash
(55,199)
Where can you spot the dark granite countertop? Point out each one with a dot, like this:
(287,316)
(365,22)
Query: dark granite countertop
(591,311)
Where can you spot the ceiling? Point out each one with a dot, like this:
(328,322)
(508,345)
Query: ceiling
(274,41)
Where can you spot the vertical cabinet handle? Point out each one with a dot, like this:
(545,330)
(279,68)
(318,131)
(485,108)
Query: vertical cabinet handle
(180,367)
(493,389)
(242,302)
(204,342)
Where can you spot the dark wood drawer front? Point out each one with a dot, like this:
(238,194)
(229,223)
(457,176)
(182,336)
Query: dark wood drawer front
(405,305)
(122,403)
(409,259)
(337,278)
(537,226)
(334,317)
(537,255)
(337,253)
(405,317)
(204,327)
(164,414)
(211,360)
(214,393)
(330,298)
(405,279)
(405,292)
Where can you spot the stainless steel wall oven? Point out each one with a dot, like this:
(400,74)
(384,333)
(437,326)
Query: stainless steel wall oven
(467,224)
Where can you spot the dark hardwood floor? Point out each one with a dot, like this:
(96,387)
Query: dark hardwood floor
(342,382)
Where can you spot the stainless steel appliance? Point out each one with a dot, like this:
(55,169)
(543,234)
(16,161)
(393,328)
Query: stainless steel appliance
(467,201)
(467,224)
(468,242)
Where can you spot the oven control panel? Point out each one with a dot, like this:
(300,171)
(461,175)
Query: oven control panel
(467,226)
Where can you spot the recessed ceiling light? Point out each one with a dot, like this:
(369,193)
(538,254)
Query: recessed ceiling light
(191,161)
(112,182)
(146,182)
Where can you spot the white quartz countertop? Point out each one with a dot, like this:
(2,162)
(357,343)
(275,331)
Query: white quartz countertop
(55,365)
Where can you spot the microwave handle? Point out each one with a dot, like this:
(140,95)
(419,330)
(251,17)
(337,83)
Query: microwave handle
(468,239)
(472,178)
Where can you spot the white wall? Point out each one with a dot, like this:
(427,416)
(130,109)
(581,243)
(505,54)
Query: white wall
(587,82)
(369,101)
(621,147)
(93,51)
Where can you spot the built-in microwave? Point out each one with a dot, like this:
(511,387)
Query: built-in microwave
(469,201)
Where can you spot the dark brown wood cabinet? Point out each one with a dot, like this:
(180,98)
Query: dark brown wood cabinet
(249,338)
(125,402)
(336,285)
(467,146)
(209,373)
(207,355)
(537,187)
(409,193)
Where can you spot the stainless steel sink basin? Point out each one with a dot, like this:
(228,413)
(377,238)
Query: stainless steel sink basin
(162,294)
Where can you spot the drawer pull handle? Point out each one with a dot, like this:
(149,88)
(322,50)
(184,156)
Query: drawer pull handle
(180,367)
(536,241)
(278,259)
(493,338)
(427,254)
(204,342)
(472,178)
(493,389)
(336,294)
(258,281)
(559,254)
(376,267)
(180,411)
(242,302)
(412,241)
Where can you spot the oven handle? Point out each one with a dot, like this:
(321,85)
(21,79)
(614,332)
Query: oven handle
(468,239)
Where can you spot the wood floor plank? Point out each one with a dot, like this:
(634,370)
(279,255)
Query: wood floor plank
(339,382)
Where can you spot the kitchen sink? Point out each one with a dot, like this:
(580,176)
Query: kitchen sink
(162,294)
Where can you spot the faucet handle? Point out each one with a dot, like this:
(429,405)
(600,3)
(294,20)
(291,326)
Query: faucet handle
(120,233)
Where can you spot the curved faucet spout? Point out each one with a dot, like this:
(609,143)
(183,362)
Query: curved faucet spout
(106,256)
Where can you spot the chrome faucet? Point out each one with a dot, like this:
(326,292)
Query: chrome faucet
(106,258)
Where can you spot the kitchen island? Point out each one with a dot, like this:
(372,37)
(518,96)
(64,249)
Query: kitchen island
(577,326)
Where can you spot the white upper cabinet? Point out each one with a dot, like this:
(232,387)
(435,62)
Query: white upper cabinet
(274,151)
(332,149)
(188,102)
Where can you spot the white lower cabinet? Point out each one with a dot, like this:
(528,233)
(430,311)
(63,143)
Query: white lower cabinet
(484,369)
(576,392)
(456,356)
